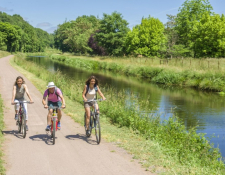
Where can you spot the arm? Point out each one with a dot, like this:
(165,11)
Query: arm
(63,101)
(44,102)
(13,95)
(27,92)
(101,94)
(84,92)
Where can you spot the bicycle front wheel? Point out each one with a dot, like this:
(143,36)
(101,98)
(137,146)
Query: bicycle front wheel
(23,127)
(97,129)
(19,124)
(53,130)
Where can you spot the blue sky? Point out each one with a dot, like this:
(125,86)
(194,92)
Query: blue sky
(47,14)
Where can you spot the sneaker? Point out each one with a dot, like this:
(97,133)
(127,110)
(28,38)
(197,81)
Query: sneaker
(48,128)
(59,126)
(88,133)
(26,127)
(16,116)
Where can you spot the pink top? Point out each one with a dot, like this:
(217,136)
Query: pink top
(53,97)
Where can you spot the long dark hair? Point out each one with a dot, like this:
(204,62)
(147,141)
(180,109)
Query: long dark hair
(89,80)
(19,77)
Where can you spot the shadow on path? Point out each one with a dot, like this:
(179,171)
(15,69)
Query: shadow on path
(13,132)
(42,137)
(82,137)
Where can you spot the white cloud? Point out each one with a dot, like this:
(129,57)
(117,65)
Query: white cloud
(51,29)
(43,24)
(3,9)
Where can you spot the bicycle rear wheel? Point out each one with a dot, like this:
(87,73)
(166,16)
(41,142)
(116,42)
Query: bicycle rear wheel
(97,129)
(24,131)
(53,130)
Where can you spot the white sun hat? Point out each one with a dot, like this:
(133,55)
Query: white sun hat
(51,85)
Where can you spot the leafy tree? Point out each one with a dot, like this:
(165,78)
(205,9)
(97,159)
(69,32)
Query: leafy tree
(189,15)
(31,39)
(73,36)
(11,35)
(209,35)
(96,49)
(112,32)
(147,38)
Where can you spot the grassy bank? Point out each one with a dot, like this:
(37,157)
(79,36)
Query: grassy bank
(2,169)
(160,146)
(4,53)
(205,74)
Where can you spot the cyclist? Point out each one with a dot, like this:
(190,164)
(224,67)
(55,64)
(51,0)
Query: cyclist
(55,98)
(89,93)
(19,89)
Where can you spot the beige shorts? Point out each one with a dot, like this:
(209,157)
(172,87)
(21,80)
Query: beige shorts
(88,104)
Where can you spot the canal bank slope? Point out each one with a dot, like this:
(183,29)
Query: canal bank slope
(73,153)
(188,72)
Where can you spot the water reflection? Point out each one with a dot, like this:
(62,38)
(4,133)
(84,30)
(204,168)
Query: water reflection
(195,108)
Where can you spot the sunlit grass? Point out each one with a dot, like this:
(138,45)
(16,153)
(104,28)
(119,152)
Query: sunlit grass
(4,53)
(2,169)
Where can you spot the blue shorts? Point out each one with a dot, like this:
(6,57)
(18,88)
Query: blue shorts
(57,104)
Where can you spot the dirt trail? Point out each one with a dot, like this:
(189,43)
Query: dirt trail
(72,154)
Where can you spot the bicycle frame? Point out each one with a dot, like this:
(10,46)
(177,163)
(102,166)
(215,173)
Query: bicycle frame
(22,118)
(54,122)
(54,117)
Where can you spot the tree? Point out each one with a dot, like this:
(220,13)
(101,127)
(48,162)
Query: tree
(73,36)
(112,32)
(147,38)
(209,35)
(11,35)
(187,19)
(96,49)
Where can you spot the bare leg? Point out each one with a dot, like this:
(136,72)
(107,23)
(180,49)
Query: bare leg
(49,116)
(59,115)
(87,111)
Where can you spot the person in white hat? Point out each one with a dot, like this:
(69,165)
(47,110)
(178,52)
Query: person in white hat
(55,98)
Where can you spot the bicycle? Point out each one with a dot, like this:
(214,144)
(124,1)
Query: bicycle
(54,123)
(21,122)
(94,120)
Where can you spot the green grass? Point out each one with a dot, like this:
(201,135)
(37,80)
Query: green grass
(2,169)
(4,53)
(165,145)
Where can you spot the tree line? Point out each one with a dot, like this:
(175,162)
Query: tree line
(18,35)
(194,32)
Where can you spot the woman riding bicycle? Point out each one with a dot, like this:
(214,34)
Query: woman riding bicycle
(55,98)
(19,89)
(89,93)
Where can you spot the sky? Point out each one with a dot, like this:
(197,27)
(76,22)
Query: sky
(48,14)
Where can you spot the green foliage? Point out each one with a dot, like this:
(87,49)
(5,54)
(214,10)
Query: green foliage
(147,38)
(112,32)
(209,36)
(73,36)
(2,169)
(10,35)
(19,35)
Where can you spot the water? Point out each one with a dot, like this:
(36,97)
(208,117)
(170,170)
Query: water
(206,110)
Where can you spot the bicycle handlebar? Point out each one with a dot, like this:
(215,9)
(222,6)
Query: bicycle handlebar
(54,107)
(22,102)
(94,100)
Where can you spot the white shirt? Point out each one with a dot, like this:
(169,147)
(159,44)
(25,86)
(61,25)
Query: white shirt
(91,94)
